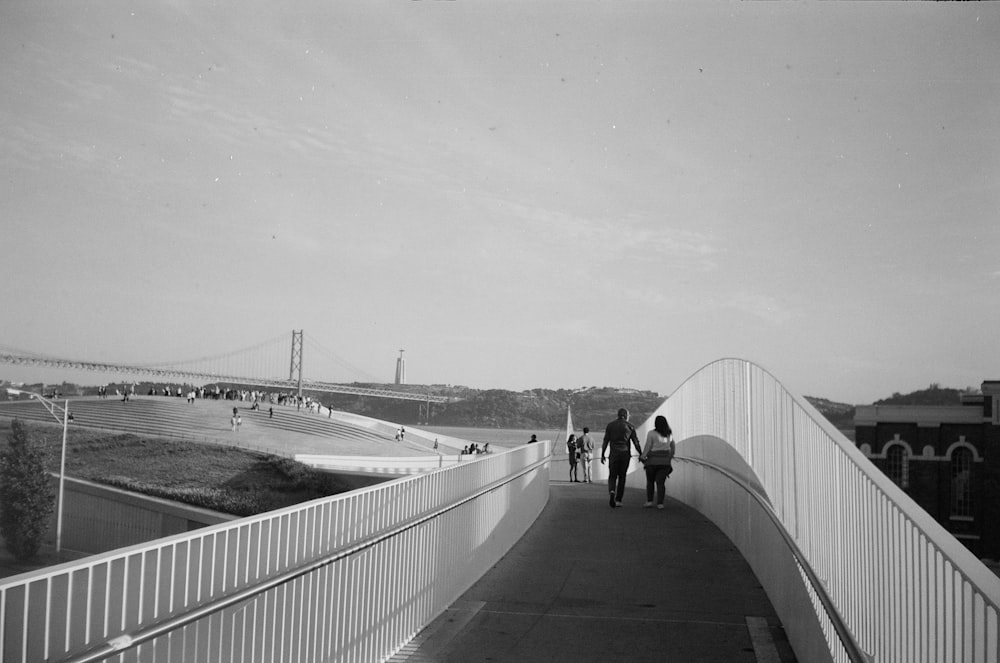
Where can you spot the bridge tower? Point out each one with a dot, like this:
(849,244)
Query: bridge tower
(296,364)
(401,368)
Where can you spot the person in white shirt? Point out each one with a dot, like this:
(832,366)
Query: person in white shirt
(658,455)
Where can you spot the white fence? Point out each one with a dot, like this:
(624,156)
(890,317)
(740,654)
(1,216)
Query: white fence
(883,579)
(394,465)
(100,518)
(348,578)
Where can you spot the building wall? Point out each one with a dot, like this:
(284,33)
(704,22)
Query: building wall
(931,435)
(100,518)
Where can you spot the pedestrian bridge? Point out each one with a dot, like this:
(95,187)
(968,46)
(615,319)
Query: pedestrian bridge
(854,569)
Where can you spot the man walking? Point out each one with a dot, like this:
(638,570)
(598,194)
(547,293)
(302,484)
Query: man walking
(618,435)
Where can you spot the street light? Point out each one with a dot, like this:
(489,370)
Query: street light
(53,409)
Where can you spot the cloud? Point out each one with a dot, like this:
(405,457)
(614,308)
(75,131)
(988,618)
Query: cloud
(762,306)
(624,238)
(673,243)
(649,297)
(758,305)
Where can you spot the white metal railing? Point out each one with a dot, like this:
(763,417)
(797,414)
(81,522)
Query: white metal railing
(883,574)
(347,578)
(375,465)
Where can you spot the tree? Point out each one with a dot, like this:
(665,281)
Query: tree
(27,499)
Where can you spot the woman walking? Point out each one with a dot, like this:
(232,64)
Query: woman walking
(658,454)
(571,453)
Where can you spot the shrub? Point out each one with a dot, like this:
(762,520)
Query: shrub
(237,503)
(26,496)
(299,477)
(295,473)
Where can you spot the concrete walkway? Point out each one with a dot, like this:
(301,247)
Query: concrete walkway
(591,583)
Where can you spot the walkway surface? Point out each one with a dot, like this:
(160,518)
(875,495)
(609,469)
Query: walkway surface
(588,583)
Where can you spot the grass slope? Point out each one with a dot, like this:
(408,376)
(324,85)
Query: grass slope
(228,479)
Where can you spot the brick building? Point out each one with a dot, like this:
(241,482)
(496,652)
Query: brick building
(945,457)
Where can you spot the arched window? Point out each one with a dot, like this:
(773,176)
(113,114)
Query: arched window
(897,465)
(961,483)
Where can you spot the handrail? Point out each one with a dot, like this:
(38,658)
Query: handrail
(905,588)
(127,641)
(352,576)
(851,646)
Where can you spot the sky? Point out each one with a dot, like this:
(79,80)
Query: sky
(518,194)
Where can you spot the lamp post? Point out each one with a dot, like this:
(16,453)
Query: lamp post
(54,409)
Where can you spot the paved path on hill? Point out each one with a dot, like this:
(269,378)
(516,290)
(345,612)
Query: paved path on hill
(206,420)
(588,583)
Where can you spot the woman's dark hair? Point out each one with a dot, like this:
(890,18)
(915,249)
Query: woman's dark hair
(661,426)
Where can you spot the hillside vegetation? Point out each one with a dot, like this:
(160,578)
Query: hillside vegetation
(935,394)
(840,415)
(538,408)
(499,408)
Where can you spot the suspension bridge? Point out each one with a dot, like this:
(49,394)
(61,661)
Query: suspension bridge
(261,365)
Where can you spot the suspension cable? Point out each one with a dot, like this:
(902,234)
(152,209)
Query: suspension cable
(225,355)
(330,354)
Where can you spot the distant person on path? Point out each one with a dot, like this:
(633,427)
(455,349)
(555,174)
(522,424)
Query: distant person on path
(658,454)
(270,413)
(618,435)
(585,447)
(571,452)
(533,439)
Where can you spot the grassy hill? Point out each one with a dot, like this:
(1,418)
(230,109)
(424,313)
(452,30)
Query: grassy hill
(168,448)
(935,394)
(232,480)
(840,415)
(546,408)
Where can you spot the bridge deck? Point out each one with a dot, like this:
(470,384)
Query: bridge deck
(591,583)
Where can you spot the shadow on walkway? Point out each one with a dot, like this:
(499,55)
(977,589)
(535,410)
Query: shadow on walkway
(591,583)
